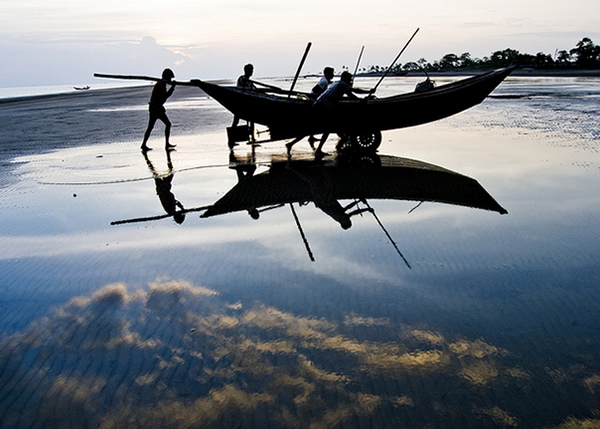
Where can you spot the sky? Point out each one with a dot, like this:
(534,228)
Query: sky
(65,41)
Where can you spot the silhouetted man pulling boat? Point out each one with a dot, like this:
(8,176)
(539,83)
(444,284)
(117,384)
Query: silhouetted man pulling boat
(160,94)
(329,98)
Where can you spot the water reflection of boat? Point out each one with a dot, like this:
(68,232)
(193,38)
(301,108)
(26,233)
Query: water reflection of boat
(287,116)
(354,177)
(361,178)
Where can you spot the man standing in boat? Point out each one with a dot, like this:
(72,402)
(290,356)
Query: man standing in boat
(159,96)
(245,83)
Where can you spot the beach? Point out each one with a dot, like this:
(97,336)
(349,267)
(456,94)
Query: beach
(425,313)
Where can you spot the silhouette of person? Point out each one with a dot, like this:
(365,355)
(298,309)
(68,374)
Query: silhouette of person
(323,192)
(329,98)
(245,83)
(163,189)
(323,84)
(317,90)
(244,171)
(159,96)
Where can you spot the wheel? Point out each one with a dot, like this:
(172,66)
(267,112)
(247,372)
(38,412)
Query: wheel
(368,161)
(367,141)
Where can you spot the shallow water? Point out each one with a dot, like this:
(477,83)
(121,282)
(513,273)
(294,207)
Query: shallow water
(476,319)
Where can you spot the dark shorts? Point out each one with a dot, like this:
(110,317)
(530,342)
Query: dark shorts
(157,110)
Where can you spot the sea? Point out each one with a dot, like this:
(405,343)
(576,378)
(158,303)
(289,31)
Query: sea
(447,280)
(44,90)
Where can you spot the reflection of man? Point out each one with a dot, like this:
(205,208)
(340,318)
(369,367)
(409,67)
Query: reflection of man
(244,171)
(322,189)
(163,190)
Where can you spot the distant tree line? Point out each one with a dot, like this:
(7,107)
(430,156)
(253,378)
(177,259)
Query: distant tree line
(585,55)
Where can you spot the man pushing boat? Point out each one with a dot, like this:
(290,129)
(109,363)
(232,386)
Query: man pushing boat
(157,111)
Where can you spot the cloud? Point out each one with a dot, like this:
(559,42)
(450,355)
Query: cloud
(31,62)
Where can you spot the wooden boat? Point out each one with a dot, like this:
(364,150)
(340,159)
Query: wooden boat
(352,178)
(289,116)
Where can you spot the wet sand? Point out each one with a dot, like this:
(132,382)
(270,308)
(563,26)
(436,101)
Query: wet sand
(226,321)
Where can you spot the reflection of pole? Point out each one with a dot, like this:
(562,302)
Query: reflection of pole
(146,219)
(387,234)
(310,255)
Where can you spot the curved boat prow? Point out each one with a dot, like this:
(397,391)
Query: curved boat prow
(290,115)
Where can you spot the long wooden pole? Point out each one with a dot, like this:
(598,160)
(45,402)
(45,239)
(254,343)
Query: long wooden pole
(358,62)
(136,77)
(300,67)
(394,62)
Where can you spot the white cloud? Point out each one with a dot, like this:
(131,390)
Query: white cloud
(45,41)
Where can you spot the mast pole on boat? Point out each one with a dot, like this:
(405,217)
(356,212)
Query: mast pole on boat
(358,62)
(300,68)
(394,62)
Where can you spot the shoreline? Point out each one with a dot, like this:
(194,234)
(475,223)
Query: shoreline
(520,72)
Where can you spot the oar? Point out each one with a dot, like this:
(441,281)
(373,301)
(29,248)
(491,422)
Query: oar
(310,254)
(387,233)
(135,77)
(358,62)
(394,62)
(276,88)
(300,67)
(266,85)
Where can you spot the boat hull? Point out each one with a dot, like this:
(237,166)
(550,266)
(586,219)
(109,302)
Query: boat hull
(292,116)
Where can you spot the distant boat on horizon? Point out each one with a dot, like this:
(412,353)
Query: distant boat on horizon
(81,88)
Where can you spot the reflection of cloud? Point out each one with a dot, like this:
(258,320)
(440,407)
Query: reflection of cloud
(500,417)
(574,423)
(592,383)
(175,355)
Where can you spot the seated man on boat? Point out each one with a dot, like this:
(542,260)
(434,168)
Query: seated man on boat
(323,84)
